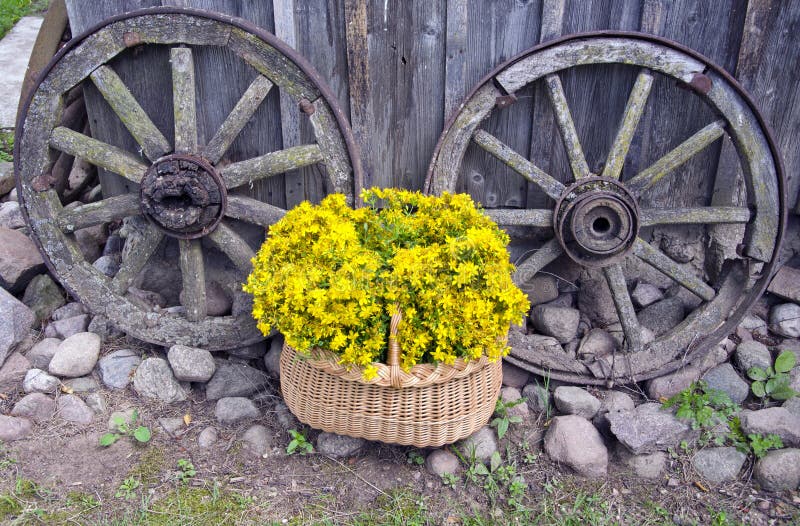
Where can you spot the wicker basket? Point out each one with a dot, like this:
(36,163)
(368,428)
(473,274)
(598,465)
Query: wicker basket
(428,406)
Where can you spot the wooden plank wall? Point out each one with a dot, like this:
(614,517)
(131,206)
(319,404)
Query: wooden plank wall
(400,68)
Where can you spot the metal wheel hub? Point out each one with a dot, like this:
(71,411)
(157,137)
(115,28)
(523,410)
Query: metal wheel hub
(183,195)
(597,221)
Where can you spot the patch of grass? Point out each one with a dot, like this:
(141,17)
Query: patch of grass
(6,144)
(150,466)
(12,10)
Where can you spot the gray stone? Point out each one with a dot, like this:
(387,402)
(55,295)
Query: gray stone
(784,320)
(250,352)
(113,245)
(11,215)
(235,409)
(440,462)
(752,354)
(76,355)
(512,394)
(72,409)
(14,428)
(117,368)
(97,402)
(647,429)
(646,466)
(596,343)
(339,446)
(514,376)
(594,299)
(37,406)
(42,352)
(718,464)
(541,289)
(538,397)
(174,426)
(20,260)
(6,168)
(559,322)
(16,321)
(645,294)
(754,325)
(662,316)
(43,296)
(13,372)
(147,299)
(91,240)
(69,310)
(714,356)
(272,360)
(777,420)
(792,405)
(82,384)
(218,302)
(154,379)
(234,379)
(108,265)
(725,378)
(190,364)
(482,443)
(257,441)
(285,417)
(68,326)
(38,381)
(572,400)
(564,299)
(574,441)
(101,326)
(673,383)
(207,437)
(615,401)
(779,470)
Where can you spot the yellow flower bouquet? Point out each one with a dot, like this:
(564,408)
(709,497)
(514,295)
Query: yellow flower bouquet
(331,277)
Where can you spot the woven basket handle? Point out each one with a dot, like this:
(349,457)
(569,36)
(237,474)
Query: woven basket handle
(393,358)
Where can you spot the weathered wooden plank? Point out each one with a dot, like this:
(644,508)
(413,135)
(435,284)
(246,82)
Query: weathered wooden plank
(193,294)
(136,253)
(98,153)
(630,120)
(184,103)
(239,116)
(622,302)
(358,79)
(681,275)
(267,165)
(455,63)
(566,127)
(334,152)
(702,215)
(545,254)
(518,163)
(109,209)
(253,210)
(233,246)
(524,217)
(152,141)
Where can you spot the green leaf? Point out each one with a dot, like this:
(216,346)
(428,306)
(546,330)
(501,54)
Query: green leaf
(770,371)
(480,469)
(495,461)
(502,427)
(758,389)
(757,373)
(108,439)
(292,447)
(118,421)
(134,416)
(142,434)
(783,392)
(785,361)
(515,419)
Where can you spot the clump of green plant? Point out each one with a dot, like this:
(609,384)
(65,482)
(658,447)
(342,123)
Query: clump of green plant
(774,381)
(139,433)
(299,443)
(754,443)
(503,419)
(84,501)
(127,489)
(415,458)
(185,470)
(498,479)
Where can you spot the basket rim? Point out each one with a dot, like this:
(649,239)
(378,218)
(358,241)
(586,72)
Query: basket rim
(420,375)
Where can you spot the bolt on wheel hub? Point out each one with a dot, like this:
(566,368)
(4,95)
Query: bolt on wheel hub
(597,221)
(183,195)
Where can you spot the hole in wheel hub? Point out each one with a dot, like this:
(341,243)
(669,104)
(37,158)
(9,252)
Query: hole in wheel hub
(597,221)
(183,196)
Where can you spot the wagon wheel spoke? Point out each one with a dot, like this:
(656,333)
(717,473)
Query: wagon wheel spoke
(98,153)
(237,118)
(153,143)
(193,295)
(518,163)
(676,157)
(273,163)
(538,260)
(630,120)
(253,210)
(111,209)
(661,262)
(624,306)
(136,258)
(536,217)
(566,126)
(183,99)
(701,215)
(233,246)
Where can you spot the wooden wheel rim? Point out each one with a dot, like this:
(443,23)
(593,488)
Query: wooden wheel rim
(765,218)
(85,57)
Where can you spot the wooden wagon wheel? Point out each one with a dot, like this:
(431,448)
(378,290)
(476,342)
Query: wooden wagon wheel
(179,189)
(601,221)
